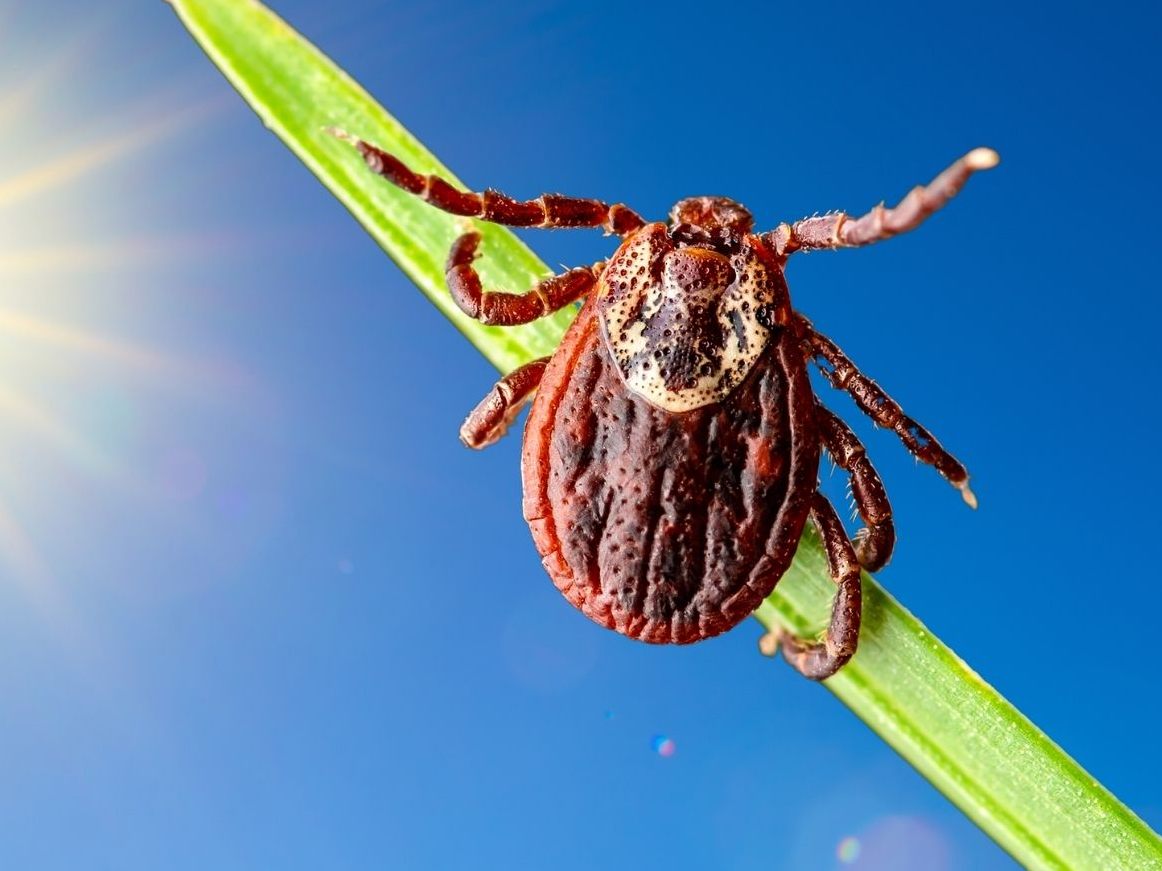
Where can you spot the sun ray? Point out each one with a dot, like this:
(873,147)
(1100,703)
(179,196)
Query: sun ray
(24,564)
(179,374)
(49,74)
(71,257)
(72,348)
(82,341)
(88,157)
(92,393)
(18,408)
(89,653)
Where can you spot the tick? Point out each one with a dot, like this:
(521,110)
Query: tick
(671,454)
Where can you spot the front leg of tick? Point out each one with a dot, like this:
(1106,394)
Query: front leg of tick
(549,211)
(494,415)
(496,412)
(819,660)
(839,230)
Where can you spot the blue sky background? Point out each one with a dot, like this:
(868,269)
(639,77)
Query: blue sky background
(260,609)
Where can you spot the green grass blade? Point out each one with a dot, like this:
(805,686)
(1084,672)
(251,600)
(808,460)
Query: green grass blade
(974,746)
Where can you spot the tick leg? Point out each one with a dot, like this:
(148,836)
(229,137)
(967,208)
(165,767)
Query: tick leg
(884,410)
(838,230)
(873,544)
(492,417)
(547,210)
(821,659)
(508,309)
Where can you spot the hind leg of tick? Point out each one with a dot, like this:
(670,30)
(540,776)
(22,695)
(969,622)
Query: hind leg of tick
(874,543)
(818,660)
(844,375)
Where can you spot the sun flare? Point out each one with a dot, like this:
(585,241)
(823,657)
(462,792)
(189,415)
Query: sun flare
(61,329)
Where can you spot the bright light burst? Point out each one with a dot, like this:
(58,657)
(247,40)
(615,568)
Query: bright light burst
(60,331)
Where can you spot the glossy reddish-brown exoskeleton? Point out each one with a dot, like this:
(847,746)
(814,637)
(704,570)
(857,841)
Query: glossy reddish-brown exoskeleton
(671,454)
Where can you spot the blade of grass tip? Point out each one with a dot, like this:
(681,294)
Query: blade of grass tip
(972,744)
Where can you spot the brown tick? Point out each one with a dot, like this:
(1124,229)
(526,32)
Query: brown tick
(671,455)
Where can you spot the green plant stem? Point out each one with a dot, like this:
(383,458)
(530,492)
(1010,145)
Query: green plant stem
(974,746)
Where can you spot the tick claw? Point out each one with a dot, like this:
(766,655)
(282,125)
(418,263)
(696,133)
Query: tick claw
(769,643)
(968,495)
(982,158)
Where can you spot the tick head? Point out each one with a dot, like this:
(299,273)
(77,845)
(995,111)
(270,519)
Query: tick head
(715,217)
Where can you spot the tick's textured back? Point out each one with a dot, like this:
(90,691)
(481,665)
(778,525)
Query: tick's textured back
(667,527)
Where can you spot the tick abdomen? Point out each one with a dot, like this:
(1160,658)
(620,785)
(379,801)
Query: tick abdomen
(666,527)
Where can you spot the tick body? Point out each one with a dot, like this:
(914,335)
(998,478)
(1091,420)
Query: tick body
(671,455)
(668,527)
